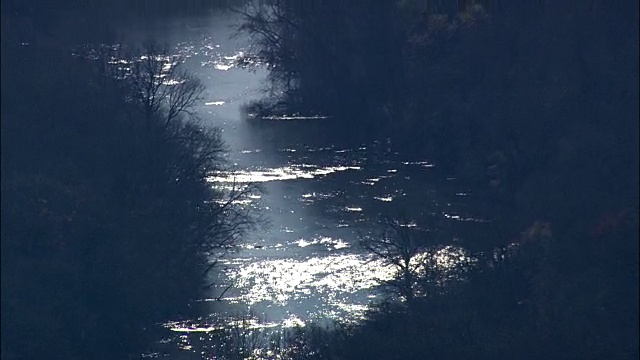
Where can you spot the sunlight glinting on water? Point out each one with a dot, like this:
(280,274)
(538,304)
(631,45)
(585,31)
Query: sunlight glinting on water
(280,281)
(461,218)
(219,61)
(222,67)
(172,82)
(179,327)
(336,244)
(426,164)
(283,173)
(332,278)
(451,256)
(295,117)
(311,197)
(387,198)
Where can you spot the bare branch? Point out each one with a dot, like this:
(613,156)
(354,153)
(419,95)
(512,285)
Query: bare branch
(398,244)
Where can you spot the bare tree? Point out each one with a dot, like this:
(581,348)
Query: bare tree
(407,248)
(166,95)
(278,29)
(154,80)
(269,25)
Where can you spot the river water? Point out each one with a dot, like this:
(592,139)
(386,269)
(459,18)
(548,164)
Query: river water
(320,190)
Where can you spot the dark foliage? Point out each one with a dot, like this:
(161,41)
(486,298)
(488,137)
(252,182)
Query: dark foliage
(530,103)
(333,57)
(108,221)
(534,105)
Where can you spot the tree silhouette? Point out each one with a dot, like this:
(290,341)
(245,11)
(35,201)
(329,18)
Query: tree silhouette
(109,222)
(408,250)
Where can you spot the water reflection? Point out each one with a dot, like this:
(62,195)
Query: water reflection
(318,193)
(302,171)
(282,280)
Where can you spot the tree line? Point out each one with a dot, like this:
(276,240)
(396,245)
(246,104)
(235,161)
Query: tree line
(532,105)
(109,224)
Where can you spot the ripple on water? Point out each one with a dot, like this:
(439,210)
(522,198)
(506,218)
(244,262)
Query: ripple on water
(216,103)
(326,242)
(281,281)
(386,198)
(290,172)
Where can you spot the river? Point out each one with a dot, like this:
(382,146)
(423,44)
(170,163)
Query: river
(321,190)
